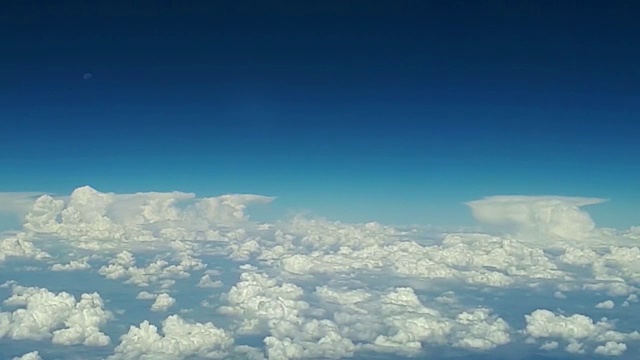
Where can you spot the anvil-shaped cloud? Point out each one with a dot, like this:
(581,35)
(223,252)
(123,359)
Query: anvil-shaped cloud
(552,216)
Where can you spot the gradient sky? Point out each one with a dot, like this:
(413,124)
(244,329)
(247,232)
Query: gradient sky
(395,111)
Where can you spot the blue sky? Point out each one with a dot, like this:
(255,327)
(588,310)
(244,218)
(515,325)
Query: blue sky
(351,110)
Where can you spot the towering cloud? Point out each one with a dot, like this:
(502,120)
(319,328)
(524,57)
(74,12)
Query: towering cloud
(558,216)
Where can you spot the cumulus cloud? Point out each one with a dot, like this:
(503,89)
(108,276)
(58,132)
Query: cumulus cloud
(314,339)
(412,324)
(395,321)
(90,219)
(557,216)
(257,299)
(467,258)
(608,304)
(34,355)
(19,246)
(611,348)
(327,289)
(145,295)
(56,316)
(163,303)
(177,340)
(73,265)
(549,345)
(207,282)
(575,329)
(123,265)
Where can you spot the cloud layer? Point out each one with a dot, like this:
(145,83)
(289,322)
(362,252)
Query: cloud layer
(306,288)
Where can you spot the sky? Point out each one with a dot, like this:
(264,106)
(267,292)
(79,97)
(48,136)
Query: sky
(286,180)
(358,110)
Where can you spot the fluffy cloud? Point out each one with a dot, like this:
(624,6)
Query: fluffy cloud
(608,304)
(395,321)
(611,348)
(326,289)
(96,220)
(160,270)
(19,246)
(207,282)
(178,340)
(56,316)
(467,258)
(145,295)
(163,303)
(258,299)
(313,339)
(549,345)
(73,265)
(576,329)
(556,216)
(34,355)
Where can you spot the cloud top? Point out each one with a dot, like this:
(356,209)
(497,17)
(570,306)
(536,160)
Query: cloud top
(93,215)
(557,216)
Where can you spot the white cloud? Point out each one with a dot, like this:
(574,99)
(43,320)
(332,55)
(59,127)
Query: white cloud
(258,299)
(56,316)
(73,265)
(326,289)
(545,324)
(611,348)
(178,340)
(96,220)
(549,345)
(575,347)
(478,330)
(468,258)
(575,329)
(145,295)
(556,216)
(608,304)
(559,295)
(123,266)
(579,256)
(34,355)
(20,246)
(163,303)
(17,203)
(314,339)
(206,282)
(8,283)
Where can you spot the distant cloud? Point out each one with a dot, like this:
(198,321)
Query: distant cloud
(576,330)
(73,265)
(34,355)
(163,303)
(17,203)
(608,304)
(91,218)
(611,348)
(548,215)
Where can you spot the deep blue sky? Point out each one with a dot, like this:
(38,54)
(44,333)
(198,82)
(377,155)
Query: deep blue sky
(395,111)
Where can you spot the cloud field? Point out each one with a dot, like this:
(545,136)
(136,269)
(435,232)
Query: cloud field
(95,275)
